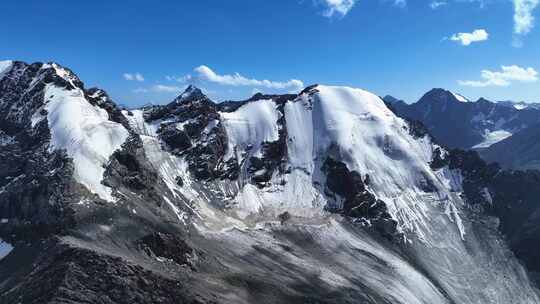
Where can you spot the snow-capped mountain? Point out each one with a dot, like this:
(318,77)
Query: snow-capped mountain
(457,122)
(321,197)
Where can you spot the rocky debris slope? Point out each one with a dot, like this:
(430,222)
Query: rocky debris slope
(323,197)
(511,196)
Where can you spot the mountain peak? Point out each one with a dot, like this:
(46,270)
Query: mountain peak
(190,93)
(439,94)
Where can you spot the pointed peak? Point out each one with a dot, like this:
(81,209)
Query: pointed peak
(439,94)
(190,93)
(482,99)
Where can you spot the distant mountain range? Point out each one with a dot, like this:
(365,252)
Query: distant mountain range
(501,131)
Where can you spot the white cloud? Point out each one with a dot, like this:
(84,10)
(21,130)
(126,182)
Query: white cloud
(503,78)
(181,79)
(133,77)
(436,4)
(468,38)
(207,74)
(523,18)
(340,8)
(337,7)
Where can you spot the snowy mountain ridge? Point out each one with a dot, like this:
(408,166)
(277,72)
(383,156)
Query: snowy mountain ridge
(327,190)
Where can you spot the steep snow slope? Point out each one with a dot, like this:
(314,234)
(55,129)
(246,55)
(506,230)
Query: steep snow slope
(356,127)
(252,124)
(82,129)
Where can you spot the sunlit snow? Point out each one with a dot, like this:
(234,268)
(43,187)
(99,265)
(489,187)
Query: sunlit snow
(86,133)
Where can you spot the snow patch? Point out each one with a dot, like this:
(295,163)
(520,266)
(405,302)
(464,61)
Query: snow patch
(5,249)
(5,66)
(460,97)
(492,137)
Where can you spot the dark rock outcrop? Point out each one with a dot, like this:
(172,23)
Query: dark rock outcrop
(358,202)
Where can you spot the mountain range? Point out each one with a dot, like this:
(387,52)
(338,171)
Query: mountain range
(501,132)
(326,196)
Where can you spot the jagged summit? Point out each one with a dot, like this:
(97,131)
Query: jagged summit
(191,93)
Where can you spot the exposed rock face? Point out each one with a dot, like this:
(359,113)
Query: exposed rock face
(321,197)
(192,127)
(359,202)
(167,246)
(36,186)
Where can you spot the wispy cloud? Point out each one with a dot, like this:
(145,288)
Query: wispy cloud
(181,79)
(468,38)
(523,19)
(204,73)
(337,8)
(340,8)
(133,77)
(437,4)
(505,77)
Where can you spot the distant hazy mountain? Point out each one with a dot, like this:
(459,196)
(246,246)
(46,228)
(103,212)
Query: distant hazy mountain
(520,105)
(520,151)
(457,122)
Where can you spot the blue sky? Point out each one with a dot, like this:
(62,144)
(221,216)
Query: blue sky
(142,51)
